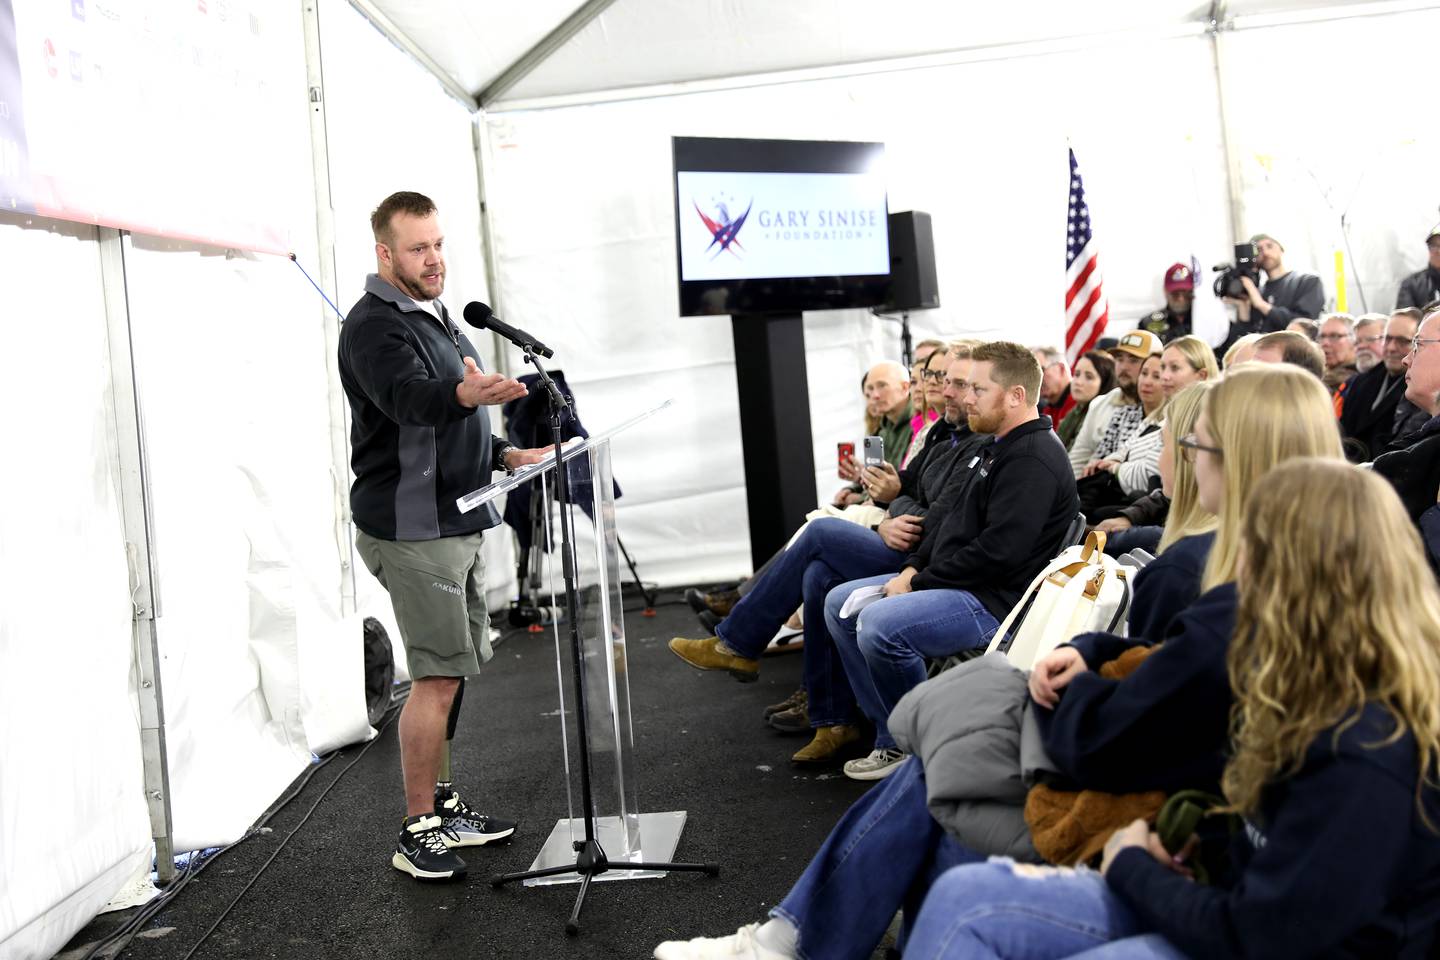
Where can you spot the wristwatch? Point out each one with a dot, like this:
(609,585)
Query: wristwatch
(497,456)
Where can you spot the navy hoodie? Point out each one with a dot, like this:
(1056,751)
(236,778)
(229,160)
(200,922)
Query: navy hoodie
(1168,584)
(1165,726)
(1341,865)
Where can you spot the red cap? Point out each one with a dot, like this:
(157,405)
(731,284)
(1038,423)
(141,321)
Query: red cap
(1179,277)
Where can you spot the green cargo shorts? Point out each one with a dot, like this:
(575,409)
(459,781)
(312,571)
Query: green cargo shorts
(437,588)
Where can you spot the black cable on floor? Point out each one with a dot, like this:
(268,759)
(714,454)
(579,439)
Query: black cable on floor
(117,942)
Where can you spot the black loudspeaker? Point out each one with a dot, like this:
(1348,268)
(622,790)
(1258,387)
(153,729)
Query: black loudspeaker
(912,263)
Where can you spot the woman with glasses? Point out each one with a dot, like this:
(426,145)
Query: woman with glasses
(1332,766)
(927,398)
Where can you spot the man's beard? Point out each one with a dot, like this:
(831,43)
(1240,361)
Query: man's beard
(1365,361)
(1131,391)
(985,423)
(415,287)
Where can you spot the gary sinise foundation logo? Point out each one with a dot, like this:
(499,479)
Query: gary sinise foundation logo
(723,229)
(786,224)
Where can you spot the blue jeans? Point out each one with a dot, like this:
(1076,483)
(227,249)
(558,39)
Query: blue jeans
(884,648)
(1002,909)
(882,855)
(830,551)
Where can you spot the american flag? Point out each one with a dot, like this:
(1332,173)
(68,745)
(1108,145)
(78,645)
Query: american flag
(1086,310)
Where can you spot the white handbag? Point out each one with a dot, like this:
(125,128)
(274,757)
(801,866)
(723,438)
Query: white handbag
(1080,591)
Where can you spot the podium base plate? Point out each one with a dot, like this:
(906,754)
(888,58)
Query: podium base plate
(659,836)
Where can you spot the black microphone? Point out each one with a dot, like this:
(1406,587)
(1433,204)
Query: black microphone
(480,315)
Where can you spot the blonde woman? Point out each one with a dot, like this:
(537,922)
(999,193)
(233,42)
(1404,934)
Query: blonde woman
(1186,360)
(1131,470)
(1335,673)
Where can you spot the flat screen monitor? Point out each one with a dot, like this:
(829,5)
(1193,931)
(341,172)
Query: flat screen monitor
(779,226)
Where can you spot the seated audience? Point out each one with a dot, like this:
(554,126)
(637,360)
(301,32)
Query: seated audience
(1094,377)
(926,396)
(1133,469)
(1423,286)
(955,589)
(1368,401)
(1114,417)
(1309,329)
(887,849)
(1287,346)
(1056,398)
(1369,340)
(1333,770)
(831,551)
(1337,342)
(1185,361)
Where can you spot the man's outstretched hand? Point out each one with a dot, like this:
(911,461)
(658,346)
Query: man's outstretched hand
(487,389)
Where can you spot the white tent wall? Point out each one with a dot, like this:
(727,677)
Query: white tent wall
(1155,180)
(391,126)
(1325,119)
(70,752)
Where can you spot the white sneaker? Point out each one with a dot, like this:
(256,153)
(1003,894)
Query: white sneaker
(740,944)
(879,765)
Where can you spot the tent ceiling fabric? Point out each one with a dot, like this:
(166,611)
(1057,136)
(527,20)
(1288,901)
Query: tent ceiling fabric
(647,42)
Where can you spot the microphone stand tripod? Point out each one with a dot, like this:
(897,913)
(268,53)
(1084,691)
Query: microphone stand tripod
(590,859)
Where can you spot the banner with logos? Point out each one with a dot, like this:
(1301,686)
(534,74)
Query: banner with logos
(153,117)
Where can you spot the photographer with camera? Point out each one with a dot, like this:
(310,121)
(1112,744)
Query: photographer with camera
(1264,307)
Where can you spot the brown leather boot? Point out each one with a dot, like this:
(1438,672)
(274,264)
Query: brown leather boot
(828,746)
(705,655)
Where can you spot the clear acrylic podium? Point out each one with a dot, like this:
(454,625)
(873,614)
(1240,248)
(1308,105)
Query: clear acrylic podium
(623,831)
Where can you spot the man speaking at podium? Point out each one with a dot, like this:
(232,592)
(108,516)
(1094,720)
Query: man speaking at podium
(420,438)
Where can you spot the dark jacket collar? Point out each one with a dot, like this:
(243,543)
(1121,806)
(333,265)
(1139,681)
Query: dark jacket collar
(1037,425)
(388,292)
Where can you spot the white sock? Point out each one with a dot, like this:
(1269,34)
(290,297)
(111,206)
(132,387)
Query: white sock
(776,934)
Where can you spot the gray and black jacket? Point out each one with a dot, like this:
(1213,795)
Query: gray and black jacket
(415,448)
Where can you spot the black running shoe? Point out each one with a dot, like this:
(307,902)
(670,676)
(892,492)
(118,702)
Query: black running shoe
(463,827)
(423,852)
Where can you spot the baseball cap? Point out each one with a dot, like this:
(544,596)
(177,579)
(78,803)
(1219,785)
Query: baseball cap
(1138,343)
(1265,236)
(1433,234)
(1179,277)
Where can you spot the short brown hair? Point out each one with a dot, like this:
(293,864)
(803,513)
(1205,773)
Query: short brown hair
(1296,348)
(1011,366)
(405,201)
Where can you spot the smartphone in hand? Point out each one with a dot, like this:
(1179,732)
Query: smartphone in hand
(874,451)
(844,451)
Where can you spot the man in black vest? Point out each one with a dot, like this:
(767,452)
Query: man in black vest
(1368,401)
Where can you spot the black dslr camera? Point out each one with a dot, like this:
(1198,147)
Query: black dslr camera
(1228,283)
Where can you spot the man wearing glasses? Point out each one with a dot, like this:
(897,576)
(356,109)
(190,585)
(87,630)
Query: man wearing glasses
(1369,402)
(1423,287)
(1369,340)
(1055,398)
(1337,342)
